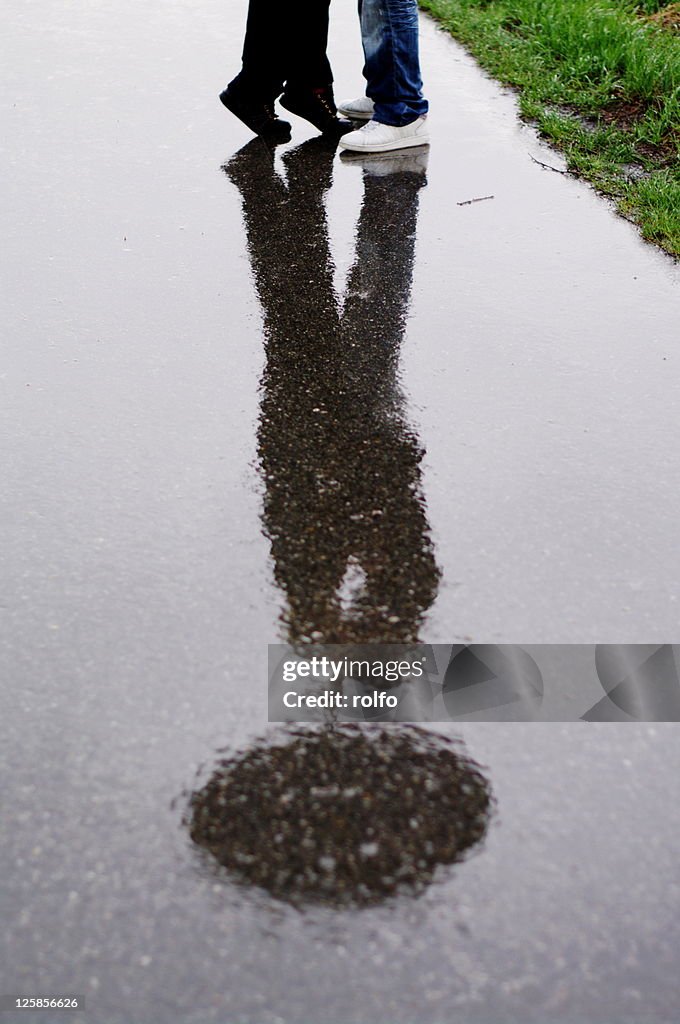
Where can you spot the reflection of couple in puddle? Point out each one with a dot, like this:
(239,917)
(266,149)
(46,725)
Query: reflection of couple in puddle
(346,815)
(341,466)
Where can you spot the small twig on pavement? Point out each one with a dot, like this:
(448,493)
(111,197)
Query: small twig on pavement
(469,202)
(548,167)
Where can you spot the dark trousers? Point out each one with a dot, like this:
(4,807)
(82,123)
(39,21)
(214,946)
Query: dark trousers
(285,44)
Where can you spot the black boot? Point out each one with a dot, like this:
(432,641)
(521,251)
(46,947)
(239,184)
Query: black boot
(256,114)
(318,107)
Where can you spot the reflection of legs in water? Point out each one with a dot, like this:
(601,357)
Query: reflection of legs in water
(342,508)
(393,544)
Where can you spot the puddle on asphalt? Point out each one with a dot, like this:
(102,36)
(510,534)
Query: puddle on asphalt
(344,816)
(340,815)
(343,503)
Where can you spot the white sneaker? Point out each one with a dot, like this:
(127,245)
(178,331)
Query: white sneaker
(375,137)
(382,165)
(357,110)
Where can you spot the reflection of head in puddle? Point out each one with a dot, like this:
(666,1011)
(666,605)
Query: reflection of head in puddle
(345,816)
(343,506)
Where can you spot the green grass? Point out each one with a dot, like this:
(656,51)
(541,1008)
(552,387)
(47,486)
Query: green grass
(601,83)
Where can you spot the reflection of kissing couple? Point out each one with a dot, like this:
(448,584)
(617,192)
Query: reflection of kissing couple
(284,56)
(343,502)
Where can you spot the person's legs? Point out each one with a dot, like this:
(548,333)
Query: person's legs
(305,61)
(309,79)
(250,96)
(264,51)
(285,43)
(389,31)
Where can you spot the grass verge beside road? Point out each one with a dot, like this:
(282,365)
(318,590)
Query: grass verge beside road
(601,79)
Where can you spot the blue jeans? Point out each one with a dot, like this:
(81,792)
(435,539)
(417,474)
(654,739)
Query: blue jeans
(389,33)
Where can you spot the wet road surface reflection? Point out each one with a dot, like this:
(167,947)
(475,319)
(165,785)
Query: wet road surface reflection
(339,815)
(343,505)
(347,816)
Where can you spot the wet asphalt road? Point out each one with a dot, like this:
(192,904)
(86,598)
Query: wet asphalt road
(463,426)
